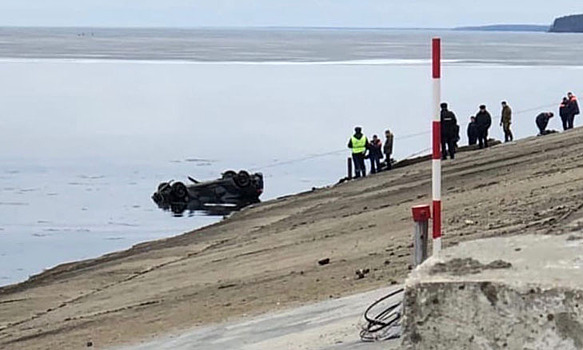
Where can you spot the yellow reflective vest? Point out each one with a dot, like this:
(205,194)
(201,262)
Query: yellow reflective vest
(358,145)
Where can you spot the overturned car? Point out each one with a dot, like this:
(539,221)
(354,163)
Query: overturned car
(233,191)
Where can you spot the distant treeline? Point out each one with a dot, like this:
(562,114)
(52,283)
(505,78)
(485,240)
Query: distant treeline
(568,24)
(507,28)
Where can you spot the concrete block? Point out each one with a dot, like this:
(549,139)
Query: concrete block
(521,292)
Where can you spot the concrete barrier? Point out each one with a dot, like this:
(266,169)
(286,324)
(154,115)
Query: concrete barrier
(522,292)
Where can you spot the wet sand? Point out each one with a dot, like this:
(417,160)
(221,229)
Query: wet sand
(265,258)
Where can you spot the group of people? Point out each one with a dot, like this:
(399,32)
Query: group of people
(480,124)
(477,133)
(568,109)
(477,129)
(362,148)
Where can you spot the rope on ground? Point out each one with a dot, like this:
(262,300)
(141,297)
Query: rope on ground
(383,318)
(402,137)
(417,154)
(297,160)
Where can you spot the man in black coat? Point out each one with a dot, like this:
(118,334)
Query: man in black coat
(542,121)
(564,113)
(472,131)
(449,132)
(483,122)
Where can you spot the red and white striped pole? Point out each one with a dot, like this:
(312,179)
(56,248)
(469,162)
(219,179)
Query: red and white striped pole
(436,187)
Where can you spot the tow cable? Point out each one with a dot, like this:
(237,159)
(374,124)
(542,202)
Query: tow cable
(383,318)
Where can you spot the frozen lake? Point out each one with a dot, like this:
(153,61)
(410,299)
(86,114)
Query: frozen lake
(84,142)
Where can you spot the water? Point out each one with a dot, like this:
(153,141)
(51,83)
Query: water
(288,45)
(93,119)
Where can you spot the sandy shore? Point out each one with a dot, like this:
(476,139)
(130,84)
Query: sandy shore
(265,258)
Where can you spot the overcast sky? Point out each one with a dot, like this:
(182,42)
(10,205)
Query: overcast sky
(337,13)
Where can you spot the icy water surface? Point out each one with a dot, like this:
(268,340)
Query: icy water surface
(288,45)
(91,120)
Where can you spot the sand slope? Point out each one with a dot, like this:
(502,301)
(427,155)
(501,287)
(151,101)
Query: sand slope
(265,258)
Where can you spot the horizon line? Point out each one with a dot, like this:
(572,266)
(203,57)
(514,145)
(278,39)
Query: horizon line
(264,27)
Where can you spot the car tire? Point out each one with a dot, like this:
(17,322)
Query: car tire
(229,174)
(179,191)
(157,197)
(178,208)
(243,179)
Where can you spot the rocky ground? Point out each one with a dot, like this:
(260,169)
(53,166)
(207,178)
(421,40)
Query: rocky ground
(266,257)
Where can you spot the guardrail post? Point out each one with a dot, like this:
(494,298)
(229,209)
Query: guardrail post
(421,216)
(349,165)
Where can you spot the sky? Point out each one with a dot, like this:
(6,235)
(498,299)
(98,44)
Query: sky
(297,13)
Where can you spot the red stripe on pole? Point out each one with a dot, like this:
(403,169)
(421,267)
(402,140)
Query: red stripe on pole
(436,58)
(436,219)
(436,140)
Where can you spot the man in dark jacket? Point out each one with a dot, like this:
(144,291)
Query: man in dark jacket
(449,132)
(388,148)
(359,144)
(375,153)
(505,121)
(573,108)
(483,122)
(564,113)
(542,121)
(472,131)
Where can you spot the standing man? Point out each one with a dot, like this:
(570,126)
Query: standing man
(449,131)
(375,153)
(564,113)
(542,120)
(573,108)
(358,143)
(505,122)
(483,122)
(388,148)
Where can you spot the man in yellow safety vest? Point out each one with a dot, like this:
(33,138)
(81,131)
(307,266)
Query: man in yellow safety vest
(359,144)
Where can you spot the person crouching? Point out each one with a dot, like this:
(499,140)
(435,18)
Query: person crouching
(542,121)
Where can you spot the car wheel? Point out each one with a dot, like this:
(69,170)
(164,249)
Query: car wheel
(243,179)
(229,174)
(157,197)
(178,208)
(179,191)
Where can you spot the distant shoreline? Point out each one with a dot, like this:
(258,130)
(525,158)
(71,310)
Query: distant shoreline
(502,27)
(82,31)
(506,28)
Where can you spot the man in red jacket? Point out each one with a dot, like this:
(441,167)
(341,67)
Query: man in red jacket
(573,109)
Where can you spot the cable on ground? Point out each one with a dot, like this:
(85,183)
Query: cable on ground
(383,318)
